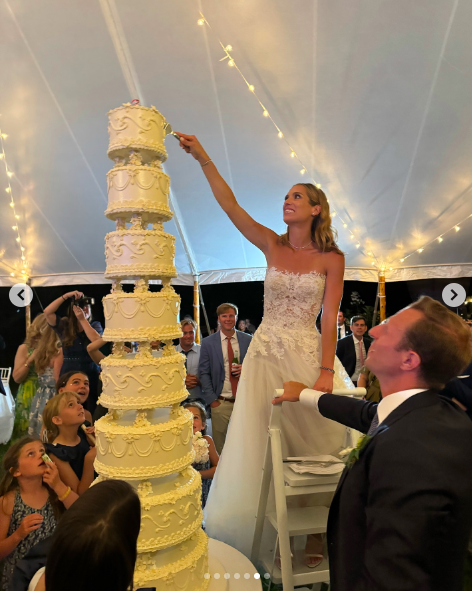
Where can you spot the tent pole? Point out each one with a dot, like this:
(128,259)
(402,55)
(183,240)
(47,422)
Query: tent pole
(28,310)
(204,309)
(196,308)
(383,303)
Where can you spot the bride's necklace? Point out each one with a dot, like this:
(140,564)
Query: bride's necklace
(300,247)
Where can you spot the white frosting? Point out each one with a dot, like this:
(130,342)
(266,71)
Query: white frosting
(143,382)
(138,189)
(144,445)
(133,127)
(142,316)
(139,253)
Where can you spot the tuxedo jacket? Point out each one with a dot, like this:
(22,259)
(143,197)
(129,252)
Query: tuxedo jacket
(347,329)
(346,352)
(401,516)
(211,367)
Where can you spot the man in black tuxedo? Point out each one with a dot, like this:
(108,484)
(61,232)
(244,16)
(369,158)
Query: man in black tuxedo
(343,327)
(352,350)
(401,516)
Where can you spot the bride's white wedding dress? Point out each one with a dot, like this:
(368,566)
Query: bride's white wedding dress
(286,346)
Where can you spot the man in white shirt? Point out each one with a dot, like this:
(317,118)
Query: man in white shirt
(402,513)
(343,329)
(188,347)
(220,365)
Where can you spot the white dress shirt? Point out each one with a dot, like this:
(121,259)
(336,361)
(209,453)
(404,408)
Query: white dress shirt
(193,358)
(387,405)
(227,391)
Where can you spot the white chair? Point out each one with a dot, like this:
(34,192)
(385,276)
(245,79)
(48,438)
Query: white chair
(288,521)
(7,407)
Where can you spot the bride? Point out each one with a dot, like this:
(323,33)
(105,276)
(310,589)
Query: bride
(305,273)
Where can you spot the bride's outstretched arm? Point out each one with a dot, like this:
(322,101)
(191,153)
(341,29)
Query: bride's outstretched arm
(256,233)
(331,300)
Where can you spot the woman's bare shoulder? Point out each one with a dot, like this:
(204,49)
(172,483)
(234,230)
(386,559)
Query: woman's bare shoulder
(7,502)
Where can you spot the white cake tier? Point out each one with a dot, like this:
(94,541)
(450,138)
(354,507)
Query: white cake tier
(142,316)
(171,510)
(139,253)
(143,382)
(133,127)
(179,568)
(144,445)
(138,189)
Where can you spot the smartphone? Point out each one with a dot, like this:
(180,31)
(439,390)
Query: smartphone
(46,459)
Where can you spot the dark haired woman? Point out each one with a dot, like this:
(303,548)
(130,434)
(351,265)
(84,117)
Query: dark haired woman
(305,270)
(76,331)
(94,545)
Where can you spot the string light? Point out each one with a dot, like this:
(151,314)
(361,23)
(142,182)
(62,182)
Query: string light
(232,63)
(438,239)
(9,174)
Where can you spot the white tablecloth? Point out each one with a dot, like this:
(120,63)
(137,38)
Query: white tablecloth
(234,563)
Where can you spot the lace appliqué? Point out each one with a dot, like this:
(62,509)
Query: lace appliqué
(291,305)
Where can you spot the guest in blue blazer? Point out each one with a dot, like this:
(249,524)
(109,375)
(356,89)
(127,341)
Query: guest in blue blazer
(221,358)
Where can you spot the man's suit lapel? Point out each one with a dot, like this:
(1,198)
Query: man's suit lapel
(219,350)
(242,345)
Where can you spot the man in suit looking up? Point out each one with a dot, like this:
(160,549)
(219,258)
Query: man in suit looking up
(401,516)
(221,358)
(343,328)
(352,350)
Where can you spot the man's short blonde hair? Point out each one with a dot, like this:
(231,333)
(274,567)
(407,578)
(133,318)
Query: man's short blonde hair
(222,308)
(190,321)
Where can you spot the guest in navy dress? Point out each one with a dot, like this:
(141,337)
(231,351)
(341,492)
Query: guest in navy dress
(77,331)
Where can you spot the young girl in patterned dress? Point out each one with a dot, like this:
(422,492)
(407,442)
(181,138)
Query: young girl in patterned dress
(207,457)
(29,502)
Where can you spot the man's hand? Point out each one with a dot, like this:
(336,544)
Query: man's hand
(236,369)
(291,393)
(191,381)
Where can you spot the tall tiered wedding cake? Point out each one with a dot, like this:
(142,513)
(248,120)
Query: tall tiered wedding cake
(146,438)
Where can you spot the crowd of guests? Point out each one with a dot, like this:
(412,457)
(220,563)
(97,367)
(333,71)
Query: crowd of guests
(58,372)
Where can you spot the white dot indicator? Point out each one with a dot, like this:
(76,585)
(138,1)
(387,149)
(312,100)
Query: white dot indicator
(236,575)
(227,575)
(266,576)
(257,576)
(247,576)
(216,575)
(206,575)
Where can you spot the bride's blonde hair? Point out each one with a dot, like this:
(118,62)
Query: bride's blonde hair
(322,233)
(41,337)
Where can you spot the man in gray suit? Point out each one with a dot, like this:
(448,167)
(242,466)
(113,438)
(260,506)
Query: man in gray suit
(221,358)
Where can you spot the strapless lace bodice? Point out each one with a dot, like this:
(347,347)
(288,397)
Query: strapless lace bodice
(291,305)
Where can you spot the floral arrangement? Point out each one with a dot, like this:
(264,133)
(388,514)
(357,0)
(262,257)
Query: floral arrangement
(354,453)
(200,447)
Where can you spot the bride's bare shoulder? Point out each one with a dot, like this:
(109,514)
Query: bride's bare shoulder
(334,261)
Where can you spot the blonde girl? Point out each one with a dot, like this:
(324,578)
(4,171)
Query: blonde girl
(70,451)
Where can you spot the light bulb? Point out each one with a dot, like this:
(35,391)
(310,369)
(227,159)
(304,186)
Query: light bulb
(369,254)
(302,171)
(22,249)
(231,63)
(9,173)
(292,154)
(420,249)
(344,225)
(280,134)
(352,236)
(357,245)
(228,48)
(18,239)
(440,239)
(391,268)
(4,136)
(373,263)
(14,227)
(333,214)
(251,88)
(457,228)
(201,21)
(8,190)
(12,274)
(401,260)
(17,216)
(2,156)
(23,257)
(265,113)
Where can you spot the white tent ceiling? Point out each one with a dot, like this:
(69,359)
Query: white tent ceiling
(373,95)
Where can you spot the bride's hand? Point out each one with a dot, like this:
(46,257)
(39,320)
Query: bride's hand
(325,382)
(192,146)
